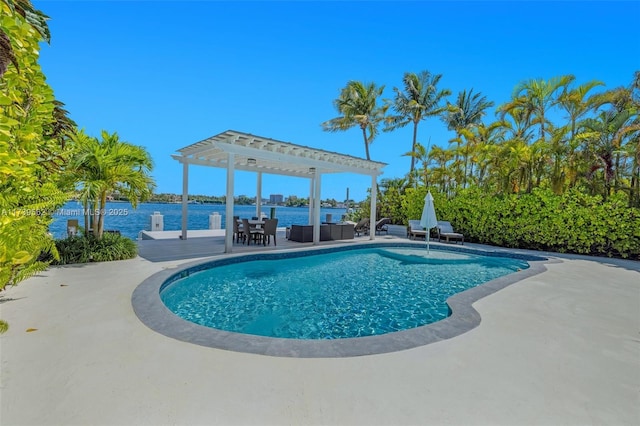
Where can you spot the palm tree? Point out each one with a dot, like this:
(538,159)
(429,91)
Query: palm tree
(420,153)
(577,103)
(420,100)
(104,166)
(603,136)
(440,171)
(626,101)
(476,137)
(358,104)
(535,98)
(468,110)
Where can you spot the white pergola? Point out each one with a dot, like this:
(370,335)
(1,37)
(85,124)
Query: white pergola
(243,151)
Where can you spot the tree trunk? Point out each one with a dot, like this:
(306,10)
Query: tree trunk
(616,172)
(633,190)
(85,205)
(103,209)
(366,142)
(413,146)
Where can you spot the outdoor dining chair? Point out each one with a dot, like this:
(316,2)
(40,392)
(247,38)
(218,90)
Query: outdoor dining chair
(238,229)
(270,228)
(250,232)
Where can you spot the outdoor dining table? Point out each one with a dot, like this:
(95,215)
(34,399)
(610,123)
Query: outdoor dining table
(253,222)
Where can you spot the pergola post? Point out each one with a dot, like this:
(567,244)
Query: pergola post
(372,211)
(185,199)
(259,195)
(312,185)
(316,208)
(229,202)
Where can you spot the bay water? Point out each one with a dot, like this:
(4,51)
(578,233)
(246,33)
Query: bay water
(123,217)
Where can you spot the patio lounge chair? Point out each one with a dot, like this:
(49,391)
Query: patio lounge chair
(416,230)
(362,226)
(381,225)
(445,230)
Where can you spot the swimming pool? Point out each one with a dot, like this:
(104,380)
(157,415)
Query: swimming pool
(335,295)
(360,327)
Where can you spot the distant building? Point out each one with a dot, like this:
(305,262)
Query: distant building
(276,199)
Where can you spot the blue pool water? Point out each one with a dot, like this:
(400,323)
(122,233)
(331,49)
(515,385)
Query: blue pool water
(342,294)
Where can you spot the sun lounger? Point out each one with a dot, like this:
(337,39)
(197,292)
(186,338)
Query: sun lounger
(381,225)
(416,230)
(362,226)
(445,230)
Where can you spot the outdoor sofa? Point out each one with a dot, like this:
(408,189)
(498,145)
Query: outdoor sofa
(328,232)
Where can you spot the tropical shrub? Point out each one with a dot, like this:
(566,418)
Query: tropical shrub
(573,222)
(413,203)
(80,249)
(390,196)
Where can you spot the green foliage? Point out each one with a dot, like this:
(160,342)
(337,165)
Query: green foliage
(413,203)
(572,222)
(31,156)
(108,165)
(79,249)
(390,196)
(418,100)
(358,104)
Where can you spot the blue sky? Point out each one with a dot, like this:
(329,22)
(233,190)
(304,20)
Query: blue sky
(167,74)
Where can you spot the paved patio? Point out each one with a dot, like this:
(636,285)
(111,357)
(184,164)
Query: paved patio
(561,347)
(176,249)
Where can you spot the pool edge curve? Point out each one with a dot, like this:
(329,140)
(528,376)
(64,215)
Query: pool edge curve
(152,312)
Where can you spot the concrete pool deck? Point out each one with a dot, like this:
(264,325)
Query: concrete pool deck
(560,347)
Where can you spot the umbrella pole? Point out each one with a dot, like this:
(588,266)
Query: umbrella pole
(428,242)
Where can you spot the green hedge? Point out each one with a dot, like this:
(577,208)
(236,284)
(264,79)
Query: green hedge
(82,249)
(572,222)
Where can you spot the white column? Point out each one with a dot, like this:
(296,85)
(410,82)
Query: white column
(372,212)
(312,184)
(259,195)
(228,228)
(316,208)
(185,198)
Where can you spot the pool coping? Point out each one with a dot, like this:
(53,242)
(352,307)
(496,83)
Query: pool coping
(150,309)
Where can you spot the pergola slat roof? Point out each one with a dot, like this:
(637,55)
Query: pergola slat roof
(259,154)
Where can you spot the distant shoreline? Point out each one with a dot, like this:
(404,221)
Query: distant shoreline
(207,203)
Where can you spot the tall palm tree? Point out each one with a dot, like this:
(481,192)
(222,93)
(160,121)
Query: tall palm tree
(440,173)
(468,110)
(104,166)
(419,100)
(535,98)
(358,104)
(577,103)
(625,101)
(604,136)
